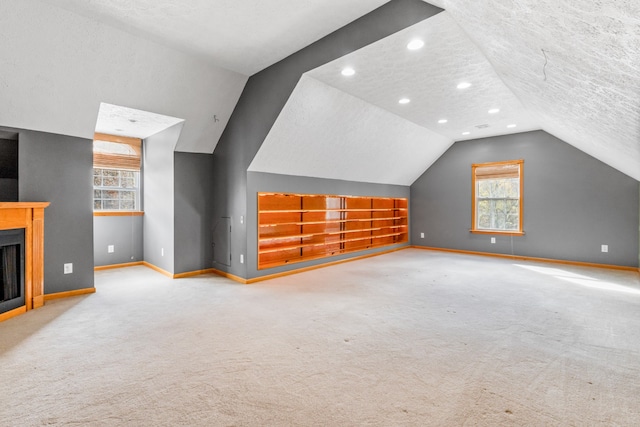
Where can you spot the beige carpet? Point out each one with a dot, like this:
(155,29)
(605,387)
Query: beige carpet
(409,338)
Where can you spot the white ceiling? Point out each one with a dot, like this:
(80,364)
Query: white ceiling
(118,120)
(323,132)
(570,67)
(387,71)
(585,87)
(241,35)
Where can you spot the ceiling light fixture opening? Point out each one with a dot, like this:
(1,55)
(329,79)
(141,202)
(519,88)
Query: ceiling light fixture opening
(464,85)
(442,121)
(511,126)
(347,72)
(494,110)
(415,44)
(404,101)
(466,133)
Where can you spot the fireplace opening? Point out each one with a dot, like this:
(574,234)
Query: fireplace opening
(12,293)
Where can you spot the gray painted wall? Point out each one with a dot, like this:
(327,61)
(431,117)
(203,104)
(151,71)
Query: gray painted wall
(263,98)
(58,169)
(193,205)
(158,228)
(259,182)
(124,232)
(573,203)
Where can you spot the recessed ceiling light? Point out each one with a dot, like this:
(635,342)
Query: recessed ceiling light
(466,133)
(494,111)
(415,44)
(133,120)
(404,101)
(464,85)
(348,71)
(511,126)
(441,121)
(119,130)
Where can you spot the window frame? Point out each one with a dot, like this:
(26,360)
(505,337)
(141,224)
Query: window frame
(128,163)
(474,199)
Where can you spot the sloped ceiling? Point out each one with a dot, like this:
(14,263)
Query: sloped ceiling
(241,35)
(575,65)
(325,133)
(570,67)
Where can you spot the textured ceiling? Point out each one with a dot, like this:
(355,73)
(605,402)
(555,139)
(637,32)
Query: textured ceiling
(117,120)
(387,71)
(570,67)
(575,65)
(242,35)
(323,132)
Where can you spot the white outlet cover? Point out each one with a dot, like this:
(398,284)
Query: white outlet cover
(604,248)
(110,249)
(493,240)
(422,235)
(68,268)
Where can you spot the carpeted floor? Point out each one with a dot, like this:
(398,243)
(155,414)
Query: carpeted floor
(409,338)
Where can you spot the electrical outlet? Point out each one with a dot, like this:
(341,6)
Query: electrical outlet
(241,258)
(111,249)
(68,268)
(422,235)
(493,240)
(241,219)
(604,248)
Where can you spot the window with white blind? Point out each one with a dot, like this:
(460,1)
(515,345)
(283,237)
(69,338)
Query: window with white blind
(497,197)
(116,173)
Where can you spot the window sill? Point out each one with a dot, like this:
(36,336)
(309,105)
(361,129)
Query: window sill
(118,213)
(502,233)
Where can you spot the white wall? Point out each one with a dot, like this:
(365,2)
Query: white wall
(158,204)
(56,67)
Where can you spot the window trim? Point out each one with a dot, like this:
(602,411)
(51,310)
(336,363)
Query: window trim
(131,163)
(474,206)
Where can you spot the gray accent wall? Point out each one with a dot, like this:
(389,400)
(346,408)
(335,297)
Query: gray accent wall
(193,202)
(573,203)
(158,173)
(59,169)
(124,233)
(266,182)
(263,98)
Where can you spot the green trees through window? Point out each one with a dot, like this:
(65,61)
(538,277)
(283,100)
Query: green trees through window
(497,197)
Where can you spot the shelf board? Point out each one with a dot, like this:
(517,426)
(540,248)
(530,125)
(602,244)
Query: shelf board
(334,221)
(330,210)
(309,245)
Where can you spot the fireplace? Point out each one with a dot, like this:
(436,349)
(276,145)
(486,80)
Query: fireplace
(12,293)
(25,220)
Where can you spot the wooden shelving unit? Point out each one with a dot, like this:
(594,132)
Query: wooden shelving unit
(301,227)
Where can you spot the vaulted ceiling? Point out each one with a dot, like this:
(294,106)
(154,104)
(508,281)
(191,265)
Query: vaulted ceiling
(569,67)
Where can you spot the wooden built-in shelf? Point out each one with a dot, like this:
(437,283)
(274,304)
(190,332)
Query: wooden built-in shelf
(301,227)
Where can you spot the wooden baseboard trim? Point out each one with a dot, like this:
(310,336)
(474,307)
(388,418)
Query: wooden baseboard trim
(68,294)
(13,313)
(158,269)
(193,273)
(528,258)
(326,264)
(227,275)
(110,266)
(38,301)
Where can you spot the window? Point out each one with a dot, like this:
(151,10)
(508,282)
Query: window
(497,197)
(116,173)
